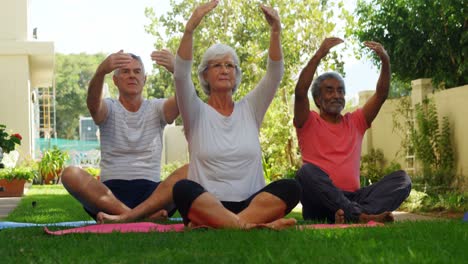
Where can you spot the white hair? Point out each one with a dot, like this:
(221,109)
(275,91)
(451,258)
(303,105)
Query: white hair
(135,57)
(214,52)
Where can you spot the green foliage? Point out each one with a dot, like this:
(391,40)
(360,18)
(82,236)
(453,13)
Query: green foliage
(420,201)
(430,142)
(399,88)
(424,39)
(52,162)
(414,202)
(169,168)
(8,142)
(402,122)
(19,173)
(72,75)
(242,25)
(374,168)
(432,146)
(449,201)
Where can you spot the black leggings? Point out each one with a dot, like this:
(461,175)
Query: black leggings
(186,191)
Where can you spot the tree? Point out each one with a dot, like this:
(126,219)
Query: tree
(241,25)
(424,39)
(73,73)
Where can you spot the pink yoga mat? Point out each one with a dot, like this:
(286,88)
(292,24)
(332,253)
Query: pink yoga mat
(142,227)
(324,226)
(145,227)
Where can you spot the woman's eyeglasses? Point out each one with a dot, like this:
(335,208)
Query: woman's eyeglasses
(221,65)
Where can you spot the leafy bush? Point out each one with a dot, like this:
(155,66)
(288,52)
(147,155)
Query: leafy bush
(414,202)
(432,145)
(19,173)
(419,201)
(373,167)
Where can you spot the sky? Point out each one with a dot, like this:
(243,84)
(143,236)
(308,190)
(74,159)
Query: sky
(93,26)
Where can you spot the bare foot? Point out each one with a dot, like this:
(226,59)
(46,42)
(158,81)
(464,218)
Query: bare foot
(339,217)
(280,224)
(159,215)
(382,218)
(102,218)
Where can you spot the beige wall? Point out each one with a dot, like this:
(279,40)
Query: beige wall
(449,103)
(175,147)
(15,95)
(24,65)
(452,103)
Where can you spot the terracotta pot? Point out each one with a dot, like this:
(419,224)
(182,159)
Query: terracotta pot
(13,188)
(50,178)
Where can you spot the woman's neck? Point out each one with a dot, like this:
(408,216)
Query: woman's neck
(222,102)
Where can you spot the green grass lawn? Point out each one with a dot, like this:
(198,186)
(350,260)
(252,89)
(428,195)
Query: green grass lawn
(442,241)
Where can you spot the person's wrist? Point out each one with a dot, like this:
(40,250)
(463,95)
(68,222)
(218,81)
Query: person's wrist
(101,71)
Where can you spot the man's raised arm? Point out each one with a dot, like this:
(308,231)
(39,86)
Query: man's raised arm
(301,101)
(375,102)
(97,107)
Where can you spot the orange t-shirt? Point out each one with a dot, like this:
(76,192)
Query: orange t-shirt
(335,148)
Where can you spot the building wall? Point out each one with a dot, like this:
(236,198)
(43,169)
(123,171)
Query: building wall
(24,65)
(449,103)
(175,147)
(15,97)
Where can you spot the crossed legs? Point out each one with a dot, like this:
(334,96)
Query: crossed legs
(91,193)
(263,209)
(97,197)
(322,200)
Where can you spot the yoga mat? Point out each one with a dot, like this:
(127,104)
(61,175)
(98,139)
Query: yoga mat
(4,225)
(7,224)
(325,226)
(141,227)
(145,227)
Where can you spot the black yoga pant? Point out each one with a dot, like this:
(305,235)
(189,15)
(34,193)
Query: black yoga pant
(186,191)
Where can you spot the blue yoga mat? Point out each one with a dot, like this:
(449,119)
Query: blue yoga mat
(6,224)
(465,218)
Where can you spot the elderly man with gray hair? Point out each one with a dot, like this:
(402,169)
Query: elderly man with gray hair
(330,144)
(131,129)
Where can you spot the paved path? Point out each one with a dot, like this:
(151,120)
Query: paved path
(399,216)
(7,204)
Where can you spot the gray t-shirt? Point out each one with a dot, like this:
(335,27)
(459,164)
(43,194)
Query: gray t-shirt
(131,142)
(225,153)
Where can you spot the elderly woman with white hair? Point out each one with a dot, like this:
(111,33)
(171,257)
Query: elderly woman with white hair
(225,186)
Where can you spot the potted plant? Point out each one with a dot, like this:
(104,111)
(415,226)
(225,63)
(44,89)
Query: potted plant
(51,165)
(12,181)
(8,142)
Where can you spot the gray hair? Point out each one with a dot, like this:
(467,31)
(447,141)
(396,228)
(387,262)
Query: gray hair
(318,81)
(135,57)
(214,52)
